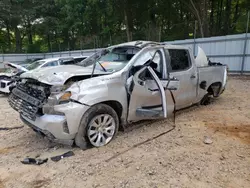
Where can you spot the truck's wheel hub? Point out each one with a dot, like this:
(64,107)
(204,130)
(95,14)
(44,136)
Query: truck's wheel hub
(101,130)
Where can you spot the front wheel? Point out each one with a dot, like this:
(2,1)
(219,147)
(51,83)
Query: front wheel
(98,126)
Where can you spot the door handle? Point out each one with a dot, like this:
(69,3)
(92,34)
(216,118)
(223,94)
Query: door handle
(192,76)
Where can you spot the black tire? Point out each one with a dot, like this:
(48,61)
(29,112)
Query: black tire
(81,139)
(205,100)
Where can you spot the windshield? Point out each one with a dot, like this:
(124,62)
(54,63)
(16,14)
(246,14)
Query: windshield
(8,70)
(111,60)
(35,65)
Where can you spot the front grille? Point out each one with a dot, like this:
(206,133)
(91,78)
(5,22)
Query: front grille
(26,100)
(23,107)
(2,85)
(31,91)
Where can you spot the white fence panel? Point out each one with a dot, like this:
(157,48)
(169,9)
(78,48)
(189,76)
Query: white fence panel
(225,49)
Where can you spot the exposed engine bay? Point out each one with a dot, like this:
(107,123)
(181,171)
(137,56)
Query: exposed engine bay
(29,97)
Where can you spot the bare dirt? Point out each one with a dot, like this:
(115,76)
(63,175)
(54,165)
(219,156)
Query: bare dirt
(177,159)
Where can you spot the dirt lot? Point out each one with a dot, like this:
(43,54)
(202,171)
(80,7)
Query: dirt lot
(177,159)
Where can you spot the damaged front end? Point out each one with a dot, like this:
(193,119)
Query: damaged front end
(45,109)
(28,98)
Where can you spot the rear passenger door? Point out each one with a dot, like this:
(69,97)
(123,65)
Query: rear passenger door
(181,67)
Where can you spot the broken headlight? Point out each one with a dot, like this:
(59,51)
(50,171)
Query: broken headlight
(65,98)
(57,89)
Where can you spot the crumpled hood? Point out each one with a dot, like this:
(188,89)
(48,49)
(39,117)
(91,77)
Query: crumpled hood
(8,74)
(15,66)
(60,74)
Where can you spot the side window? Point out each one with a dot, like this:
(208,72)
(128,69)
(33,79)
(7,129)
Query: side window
(152,58)
(51,64)
(180,59)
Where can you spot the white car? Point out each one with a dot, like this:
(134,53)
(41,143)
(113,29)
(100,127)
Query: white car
(8,78)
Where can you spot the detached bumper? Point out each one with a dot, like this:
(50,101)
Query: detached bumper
(59,128)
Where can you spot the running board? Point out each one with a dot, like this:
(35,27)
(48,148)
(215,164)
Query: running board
(149,113)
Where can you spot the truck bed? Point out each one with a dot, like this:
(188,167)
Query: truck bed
(209,75)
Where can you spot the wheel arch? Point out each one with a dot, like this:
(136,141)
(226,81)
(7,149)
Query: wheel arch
(117,106)
(214,88)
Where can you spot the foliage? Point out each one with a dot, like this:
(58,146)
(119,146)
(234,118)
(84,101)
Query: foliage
(56,25)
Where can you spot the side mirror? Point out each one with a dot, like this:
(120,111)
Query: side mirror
(174,84)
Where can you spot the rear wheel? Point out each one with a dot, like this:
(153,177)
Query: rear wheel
(98,127)
(205,100)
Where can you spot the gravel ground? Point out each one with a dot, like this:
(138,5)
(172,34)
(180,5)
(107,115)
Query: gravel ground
(177,159)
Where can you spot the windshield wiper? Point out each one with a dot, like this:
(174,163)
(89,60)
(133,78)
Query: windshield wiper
(103,52)
(103,68)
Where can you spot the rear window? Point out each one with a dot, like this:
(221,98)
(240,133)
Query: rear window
(70,62)
(180,59)
(79,59)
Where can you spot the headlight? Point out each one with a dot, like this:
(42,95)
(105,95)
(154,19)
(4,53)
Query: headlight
(65,98)
(57,89)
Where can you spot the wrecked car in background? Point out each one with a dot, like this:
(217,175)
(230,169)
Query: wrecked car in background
(8,80)
(87,103)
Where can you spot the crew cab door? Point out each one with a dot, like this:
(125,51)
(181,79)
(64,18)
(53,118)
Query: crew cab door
(148,86)
(183,68)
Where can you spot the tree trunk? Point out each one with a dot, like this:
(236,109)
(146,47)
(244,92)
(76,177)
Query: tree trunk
(8,35)
(18,39)
(152,27)
(29,32)
(219,17)
(159,39)
(236,16)
(128,32)
(227,22)
(212,18)
(198,17)
(48,42)
(205,18)
(181,11)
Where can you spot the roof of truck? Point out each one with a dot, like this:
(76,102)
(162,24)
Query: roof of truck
(142,44)
(139,43)
(170,46)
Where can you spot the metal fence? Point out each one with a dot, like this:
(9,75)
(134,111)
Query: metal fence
(233,50)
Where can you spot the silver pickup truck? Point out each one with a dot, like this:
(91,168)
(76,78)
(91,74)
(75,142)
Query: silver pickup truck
(88,103)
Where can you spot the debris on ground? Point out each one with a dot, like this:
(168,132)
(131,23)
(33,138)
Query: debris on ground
(207,140)
(10,128)
(222,157)
(241,156)
(185,164)
(34,161)
(59,157)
